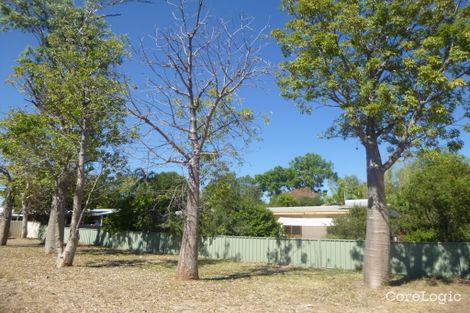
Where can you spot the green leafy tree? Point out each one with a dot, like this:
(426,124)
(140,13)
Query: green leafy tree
(396,70)
(431,196)
(221,198)
(31,16)
(433,199)
(8,191)
(232,206)
(276,180)
(308,171)
(38,154)
(36,17)
(349,226)
(347,187)
(311,171)
(71,76)
(145,202)
(283,200)
(256,220)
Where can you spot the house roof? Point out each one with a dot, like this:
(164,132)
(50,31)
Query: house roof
(97,212)
(300,221)
(356,202)
(303,192)
(324,210)
(100,212)
(321,210)
(318,208)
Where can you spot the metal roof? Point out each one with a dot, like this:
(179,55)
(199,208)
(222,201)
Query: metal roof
(309,209)
(305,221)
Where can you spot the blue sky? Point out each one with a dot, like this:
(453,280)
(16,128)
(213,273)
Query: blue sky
(289,134)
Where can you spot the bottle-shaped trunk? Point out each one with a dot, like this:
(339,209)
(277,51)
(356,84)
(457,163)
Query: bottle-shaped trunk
(67,256)
(5,220)
(24,211)
(55,226)
(187,264)
(60,203)
(377,245)
(51,235)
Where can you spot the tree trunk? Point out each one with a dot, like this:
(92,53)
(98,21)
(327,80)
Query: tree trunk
(377,245)
(60,227)
(51,236)
(55,226)
(6,218)
(187,263)
(25,211)
(60,207)
(67,256)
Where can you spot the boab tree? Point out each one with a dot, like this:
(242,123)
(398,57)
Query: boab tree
(198,66)
(71,77)
(395,70)
(39,153)
(47,138)
(5,219)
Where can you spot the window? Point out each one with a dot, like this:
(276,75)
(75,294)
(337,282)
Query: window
(293,231)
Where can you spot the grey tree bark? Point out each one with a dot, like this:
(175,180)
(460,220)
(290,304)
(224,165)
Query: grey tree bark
(67,256)
(377,249)
(187,263)
(25,211)
(59,198)
(5,220)
(51,235)
(200,69)
(55,227)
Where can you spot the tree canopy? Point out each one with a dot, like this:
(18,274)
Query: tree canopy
(71,78)
(345,188)
(433,198)
(396,70)
(233,206)
(145,202)
(308,171)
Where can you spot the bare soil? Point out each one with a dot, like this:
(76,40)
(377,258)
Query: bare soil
(105,280)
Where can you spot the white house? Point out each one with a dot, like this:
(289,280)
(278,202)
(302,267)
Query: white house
(313,221)
(308,221)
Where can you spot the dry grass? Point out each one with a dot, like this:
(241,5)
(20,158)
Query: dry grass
(104,280)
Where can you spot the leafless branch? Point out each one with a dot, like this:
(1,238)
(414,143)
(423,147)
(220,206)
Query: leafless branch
(197,69)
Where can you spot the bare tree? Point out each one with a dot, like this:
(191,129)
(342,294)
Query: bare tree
(197,67)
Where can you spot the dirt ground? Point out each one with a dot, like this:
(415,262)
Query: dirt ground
(104,280)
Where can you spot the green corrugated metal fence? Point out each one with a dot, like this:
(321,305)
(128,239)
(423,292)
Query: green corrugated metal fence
(412,259)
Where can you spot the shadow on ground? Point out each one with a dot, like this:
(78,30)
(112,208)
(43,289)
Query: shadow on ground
(90,250)
(137,261)
(430,281)
(253,272)
(263,270)
(23,243)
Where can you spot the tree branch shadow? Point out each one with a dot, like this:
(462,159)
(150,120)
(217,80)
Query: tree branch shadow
(429,280)
(258,271)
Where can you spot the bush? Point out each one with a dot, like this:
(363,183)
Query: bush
(421,235)
(284,200)
(256,221)
(433,198)
(232,206)
(349,226)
